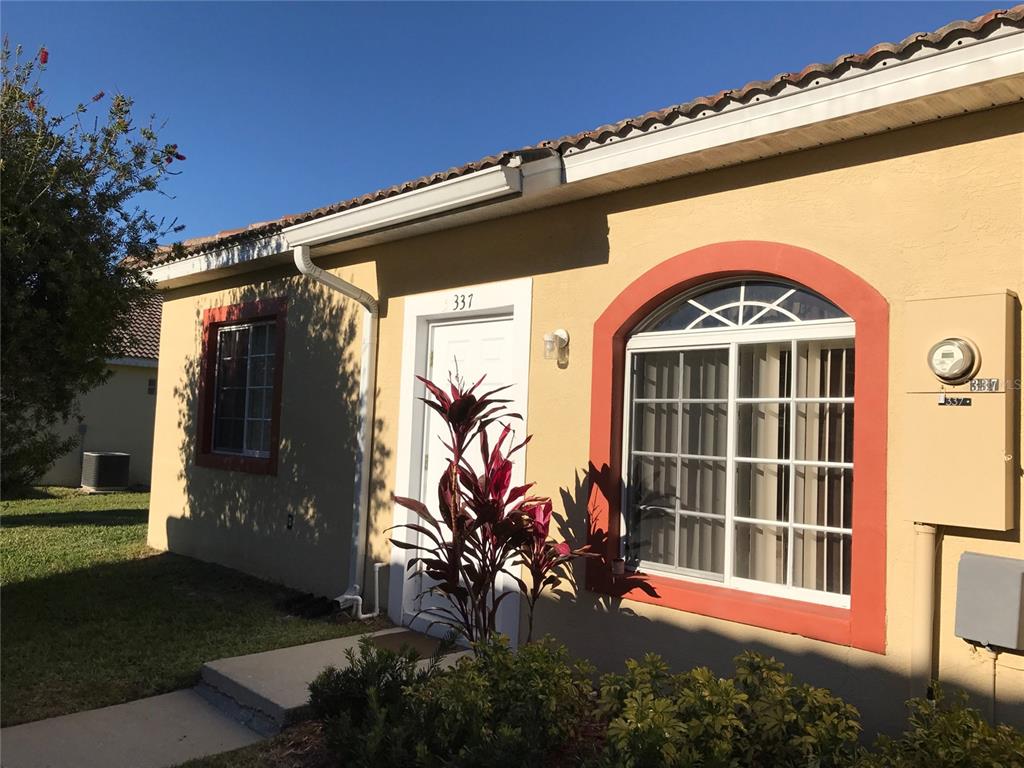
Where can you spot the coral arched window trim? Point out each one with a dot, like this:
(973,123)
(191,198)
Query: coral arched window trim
(862,625)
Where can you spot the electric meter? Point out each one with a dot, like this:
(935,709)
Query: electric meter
(953,360)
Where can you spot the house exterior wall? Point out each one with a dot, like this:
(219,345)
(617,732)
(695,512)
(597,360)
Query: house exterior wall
(117,416)
(292,526)
(925,212)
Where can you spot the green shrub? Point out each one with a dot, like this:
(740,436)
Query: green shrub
(505,709)
(364,707)
(792,724)
(496,708)
(536,708)
(947,733)
(760,718)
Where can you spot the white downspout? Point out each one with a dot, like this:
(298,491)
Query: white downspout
(364,441)
(922,650)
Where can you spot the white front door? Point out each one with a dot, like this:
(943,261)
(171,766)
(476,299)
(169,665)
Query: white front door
(468,349)
(477,329)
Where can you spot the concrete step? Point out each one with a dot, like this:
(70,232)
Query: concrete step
(267,691)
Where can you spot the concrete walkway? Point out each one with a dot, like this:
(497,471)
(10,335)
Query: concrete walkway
(149,733)
(270,690)
(238,702)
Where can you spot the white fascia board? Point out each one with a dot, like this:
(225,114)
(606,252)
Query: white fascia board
(987,60)
(134,362)
(471,189)
(221,258)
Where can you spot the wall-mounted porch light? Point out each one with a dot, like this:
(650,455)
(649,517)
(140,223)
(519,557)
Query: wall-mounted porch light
(556,346)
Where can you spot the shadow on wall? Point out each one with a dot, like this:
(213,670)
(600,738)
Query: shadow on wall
(606,630)
(295,526)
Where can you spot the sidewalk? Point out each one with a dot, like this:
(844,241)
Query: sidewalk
(239,701)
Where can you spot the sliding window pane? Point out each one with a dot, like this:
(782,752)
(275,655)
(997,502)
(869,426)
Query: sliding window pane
(702,544)
(652,535)
(821,561)
(824,432)
(656,427)
(705,429)
(702,486)
(256,437)
(255,405)
(705,374)
(825,368)
(761,552)
(763,430)
(762,491)
(227,434)
(230,403)
(656,375)
(824,496)
(653,482)
(765,370)
(258,371)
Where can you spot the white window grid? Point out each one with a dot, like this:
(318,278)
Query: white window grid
(749,310)
(733,338)
(266,387)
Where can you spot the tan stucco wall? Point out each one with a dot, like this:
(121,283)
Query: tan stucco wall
(240,519)
(117,416)
(930,211)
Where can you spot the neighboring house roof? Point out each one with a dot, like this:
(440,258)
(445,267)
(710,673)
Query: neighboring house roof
(143,333)
(915,46)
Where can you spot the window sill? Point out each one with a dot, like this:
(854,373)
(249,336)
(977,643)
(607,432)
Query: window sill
(234,463)
(812,620)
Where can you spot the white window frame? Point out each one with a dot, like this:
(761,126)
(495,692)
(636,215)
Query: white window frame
(731,338)
(245,412)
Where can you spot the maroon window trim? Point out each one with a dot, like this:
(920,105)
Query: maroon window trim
(213,320)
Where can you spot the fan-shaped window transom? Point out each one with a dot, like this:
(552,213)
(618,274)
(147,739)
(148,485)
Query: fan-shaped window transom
(744,304)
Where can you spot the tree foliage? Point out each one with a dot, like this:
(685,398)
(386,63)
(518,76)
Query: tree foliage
(72,235)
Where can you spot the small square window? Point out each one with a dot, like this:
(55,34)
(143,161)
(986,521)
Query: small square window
(240,397)
(243,389)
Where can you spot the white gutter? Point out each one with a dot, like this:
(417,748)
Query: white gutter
(762,124)
(462,192)
(364,441)
(135,362)
(239,255)
(932,73)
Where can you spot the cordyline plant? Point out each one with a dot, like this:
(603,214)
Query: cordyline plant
(485,526)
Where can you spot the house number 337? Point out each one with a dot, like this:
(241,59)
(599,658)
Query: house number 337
(462,301)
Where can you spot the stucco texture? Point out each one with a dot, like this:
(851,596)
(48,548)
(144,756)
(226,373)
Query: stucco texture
(930,211)
(115,416)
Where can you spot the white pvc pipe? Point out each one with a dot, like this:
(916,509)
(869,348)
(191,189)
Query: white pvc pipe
(922,645)
(364,441)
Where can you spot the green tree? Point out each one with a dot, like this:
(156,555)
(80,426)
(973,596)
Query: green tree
(72,237)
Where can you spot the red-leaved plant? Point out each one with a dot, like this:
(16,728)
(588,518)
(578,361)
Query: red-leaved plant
(485,526)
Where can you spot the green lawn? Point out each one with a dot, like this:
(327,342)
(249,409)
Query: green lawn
(89,616)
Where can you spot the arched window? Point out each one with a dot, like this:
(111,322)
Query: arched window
(727,465)
(739,438)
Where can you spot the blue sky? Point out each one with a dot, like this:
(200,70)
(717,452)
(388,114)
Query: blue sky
(283,107)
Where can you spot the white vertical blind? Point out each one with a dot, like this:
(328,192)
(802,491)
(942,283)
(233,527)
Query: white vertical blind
(739,437)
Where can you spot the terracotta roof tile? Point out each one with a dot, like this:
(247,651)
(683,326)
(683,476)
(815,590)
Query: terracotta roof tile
(142,337)
(810,76)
